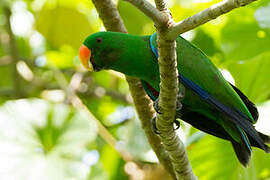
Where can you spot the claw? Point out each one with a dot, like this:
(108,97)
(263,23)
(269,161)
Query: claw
(182,92)
(177,124)
(155,129)
(156,107)
(154,126)
(178,105)
(180,97)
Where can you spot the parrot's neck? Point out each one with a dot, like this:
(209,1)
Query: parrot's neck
(130,61)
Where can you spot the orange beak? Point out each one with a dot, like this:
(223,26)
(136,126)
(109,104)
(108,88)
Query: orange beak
(85,55)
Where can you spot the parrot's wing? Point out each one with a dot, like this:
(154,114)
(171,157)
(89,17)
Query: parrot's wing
(232,114)
(250,105)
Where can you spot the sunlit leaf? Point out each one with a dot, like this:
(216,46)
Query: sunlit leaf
(212,158)
(5,71)
(46,141)
(112,163)
(65,58)
(205,42)
(252,76)
(242,38)
(63,25)
(136,142)
(262,16)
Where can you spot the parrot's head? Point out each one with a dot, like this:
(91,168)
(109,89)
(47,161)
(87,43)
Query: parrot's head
(100,51)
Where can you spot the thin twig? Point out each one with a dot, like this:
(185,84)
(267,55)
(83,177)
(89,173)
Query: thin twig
(206,15)
(5,60)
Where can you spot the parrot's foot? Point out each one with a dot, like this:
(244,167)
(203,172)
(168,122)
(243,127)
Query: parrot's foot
(177,124)
(181,93)
(155,129)
(154,125)
(156,107)
(178,105)
(180,97)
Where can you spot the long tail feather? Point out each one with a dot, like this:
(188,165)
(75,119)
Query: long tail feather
(242,152)
(265,138)
(233,115)
(250,105)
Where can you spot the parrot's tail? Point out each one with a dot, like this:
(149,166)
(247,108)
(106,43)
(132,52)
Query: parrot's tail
(259,140)
(265,138)
(210,126)
(243,151)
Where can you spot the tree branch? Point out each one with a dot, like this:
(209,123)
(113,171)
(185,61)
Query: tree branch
(113,22)
(150,11)
(5,60)
(206,15)
(13,54)
(161,5)
(167,98)
(167,105)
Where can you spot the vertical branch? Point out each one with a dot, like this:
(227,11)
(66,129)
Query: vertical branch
(167,104)
(167,98)
(161,5)
(145,112)
(168,87)
(113,22)
(13,54)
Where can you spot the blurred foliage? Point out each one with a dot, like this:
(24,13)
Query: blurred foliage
(42,136)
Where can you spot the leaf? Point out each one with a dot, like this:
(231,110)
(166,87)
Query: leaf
(112,163)
(23,47)
(213,158)
(63,58)
(136,141)
(252,76)
(262,15)
(205,42)
(63,25)
(47,141)
(209,158)
(6,74)
(242,38)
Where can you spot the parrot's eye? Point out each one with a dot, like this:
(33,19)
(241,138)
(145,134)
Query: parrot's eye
(99,40)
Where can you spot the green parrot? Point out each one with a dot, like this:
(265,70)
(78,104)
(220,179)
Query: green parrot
(210,103)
